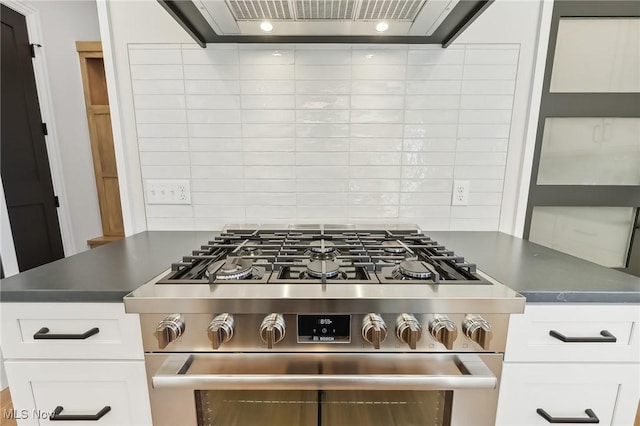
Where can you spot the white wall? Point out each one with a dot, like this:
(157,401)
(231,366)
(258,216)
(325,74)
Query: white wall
(57,25)
(145,22)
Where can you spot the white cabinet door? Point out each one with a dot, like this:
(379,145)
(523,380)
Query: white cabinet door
(611,391)
(80,388)
(529,339)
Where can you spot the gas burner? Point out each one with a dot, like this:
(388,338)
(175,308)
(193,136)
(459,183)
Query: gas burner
(393,247)
(250,251)
(323,269)
(412,269)
(233,268)
(322,246)
(322,250)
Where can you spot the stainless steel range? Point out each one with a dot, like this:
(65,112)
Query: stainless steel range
(323,325)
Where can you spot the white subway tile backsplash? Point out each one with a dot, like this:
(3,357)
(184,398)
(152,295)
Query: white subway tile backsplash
(315,158)
(162,130)
(155,57)
(376,144)
(267,101)
(322,130)
(378,87)
(374,185)
(268,144)
(213,101)
(434,72)
(212,87)
(206,158)
(322,102)
(431,144)
(209,56)
(327,57)
(374,158)
(377,116)
(268,130)
(266,72)
(163,144)
(211,72)
(322,87)
(267,57)
(269,158)
(376,130)
(322,144)
(374,198)
(377,72)
(377,102)
(489,72)
(215,144)
(419,131)
(156,72)
(321,116)
(269,172)
(270,185)
(278,133)
(212,116)
(157,87)
(322,185)
(216,172)
(438,102)
(159,101)
(322,72)
(164,158)
(322,172)
(267,87)
(149,116)
(431,116)
(214,130)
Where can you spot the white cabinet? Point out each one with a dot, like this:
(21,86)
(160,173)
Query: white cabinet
(590,371)
(90,363)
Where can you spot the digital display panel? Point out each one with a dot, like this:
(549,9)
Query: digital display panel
(320,328)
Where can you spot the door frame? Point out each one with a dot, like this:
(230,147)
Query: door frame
(43,86)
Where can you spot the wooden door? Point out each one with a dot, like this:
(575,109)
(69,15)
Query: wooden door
(102,150)
(24,163)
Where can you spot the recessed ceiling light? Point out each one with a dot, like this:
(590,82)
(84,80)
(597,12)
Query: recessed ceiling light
(382,27)
(266,26)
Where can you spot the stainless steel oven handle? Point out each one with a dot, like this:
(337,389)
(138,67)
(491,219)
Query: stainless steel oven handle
(473,374)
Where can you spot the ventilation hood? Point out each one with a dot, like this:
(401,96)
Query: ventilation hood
(325,21)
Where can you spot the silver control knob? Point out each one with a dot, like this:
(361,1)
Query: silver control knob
(374,330)
(220,330)
(408,330)
(477,329)
(443,330)
(169,329)
(272,329)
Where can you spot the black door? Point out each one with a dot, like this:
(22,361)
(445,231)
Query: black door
(24,163)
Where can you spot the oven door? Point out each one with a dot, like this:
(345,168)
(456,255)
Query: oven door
(323,389)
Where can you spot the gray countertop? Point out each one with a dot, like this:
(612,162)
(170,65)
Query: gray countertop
(109,272)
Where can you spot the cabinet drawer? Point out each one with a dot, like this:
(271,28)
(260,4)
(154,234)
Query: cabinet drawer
(70,331)
(610,391)
(529,336)
(80,388)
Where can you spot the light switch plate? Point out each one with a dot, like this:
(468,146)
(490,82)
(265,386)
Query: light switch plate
(168,191)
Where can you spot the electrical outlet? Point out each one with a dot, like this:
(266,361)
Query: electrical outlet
(168,191)
(460,193)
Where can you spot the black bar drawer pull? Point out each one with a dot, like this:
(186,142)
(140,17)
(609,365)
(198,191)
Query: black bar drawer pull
(43,333)
(591,419)
(607,337)
(90,417)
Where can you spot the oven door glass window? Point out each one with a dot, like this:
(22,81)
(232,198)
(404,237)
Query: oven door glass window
(323,408)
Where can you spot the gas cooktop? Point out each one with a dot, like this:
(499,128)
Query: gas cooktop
(323,254)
